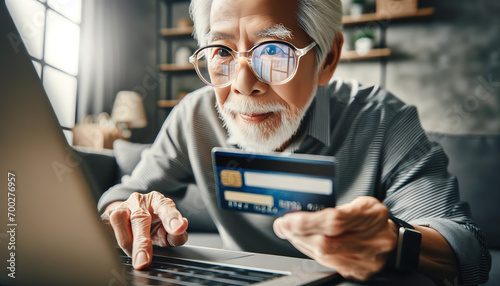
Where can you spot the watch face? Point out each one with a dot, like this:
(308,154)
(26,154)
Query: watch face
(408,249)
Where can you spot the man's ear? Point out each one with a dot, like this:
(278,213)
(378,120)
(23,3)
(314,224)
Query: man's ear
(331,61)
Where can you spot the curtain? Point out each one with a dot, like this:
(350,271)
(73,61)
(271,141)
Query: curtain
(101,36)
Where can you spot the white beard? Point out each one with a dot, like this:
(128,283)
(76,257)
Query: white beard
(266,136)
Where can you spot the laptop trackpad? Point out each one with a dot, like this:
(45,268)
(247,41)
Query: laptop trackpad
(199,253)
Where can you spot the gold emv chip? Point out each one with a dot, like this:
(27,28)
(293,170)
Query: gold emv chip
(231,178)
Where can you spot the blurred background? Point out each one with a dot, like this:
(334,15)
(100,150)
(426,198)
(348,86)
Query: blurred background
(119,66)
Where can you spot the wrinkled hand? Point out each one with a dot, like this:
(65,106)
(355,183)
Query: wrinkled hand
(354,238)
(143,220)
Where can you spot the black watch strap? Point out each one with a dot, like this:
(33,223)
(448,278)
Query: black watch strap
(405,256)
(400,222)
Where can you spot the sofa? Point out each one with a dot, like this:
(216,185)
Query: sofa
(474,159)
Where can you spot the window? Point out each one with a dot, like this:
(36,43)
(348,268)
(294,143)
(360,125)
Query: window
(50,30)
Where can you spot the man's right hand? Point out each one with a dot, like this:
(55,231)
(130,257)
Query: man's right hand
(143,220)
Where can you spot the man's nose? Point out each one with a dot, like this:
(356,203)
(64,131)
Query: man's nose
(245,82)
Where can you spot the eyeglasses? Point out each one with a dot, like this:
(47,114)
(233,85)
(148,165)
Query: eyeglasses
(272,62)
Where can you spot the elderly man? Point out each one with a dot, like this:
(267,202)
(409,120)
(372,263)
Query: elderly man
(268,66)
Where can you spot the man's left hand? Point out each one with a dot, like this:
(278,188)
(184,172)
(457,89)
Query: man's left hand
(354,238)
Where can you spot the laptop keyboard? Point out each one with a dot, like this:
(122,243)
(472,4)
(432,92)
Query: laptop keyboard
(172,271)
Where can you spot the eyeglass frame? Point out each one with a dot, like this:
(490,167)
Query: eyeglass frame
(298,53)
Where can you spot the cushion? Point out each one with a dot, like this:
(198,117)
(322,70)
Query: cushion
(475,160)
(99,167)
(127,155)
(494,279)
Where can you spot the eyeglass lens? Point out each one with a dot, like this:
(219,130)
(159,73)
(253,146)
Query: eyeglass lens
(272,62)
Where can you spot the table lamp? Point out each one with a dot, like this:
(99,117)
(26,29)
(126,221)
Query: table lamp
(128,112)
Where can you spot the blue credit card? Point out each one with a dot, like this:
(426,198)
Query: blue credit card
(273,184)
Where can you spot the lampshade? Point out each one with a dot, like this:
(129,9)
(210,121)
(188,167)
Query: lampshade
(128,109)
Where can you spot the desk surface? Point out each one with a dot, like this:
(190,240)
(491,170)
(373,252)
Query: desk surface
(392,279)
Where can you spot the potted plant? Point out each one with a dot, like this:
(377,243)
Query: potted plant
(364,41)
(357,7)
(346,7)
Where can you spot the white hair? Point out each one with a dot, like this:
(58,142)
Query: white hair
(320,19)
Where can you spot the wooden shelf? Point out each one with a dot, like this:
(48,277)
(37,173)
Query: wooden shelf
(176,32)
(167,103)
(374,17)
(372,54)
(347,20)
(175,67)
(176,1)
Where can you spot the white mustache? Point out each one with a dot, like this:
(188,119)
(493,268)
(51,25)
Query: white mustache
(252,107)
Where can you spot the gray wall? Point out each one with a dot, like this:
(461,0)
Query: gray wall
(141,59)
(134,57)
(448,66)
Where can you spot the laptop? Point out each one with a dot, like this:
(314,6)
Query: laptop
(50,230)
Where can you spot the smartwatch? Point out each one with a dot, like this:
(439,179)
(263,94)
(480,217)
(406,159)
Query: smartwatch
(405,256)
